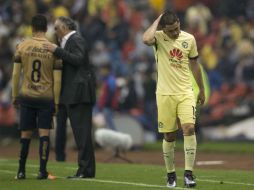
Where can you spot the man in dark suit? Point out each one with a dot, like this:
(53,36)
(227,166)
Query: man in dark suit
(78,91)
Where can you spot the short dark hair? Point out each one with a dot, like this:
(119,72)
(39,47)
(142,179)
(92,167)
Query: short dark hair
(169,17)
(68,22)
(39,23)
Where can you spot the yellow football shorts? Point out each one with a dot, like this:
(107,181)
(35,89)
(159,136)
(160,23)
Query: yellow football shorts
(171,107)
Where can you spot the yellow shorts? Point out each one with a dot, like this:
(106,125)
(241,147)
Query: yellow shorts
(171,107)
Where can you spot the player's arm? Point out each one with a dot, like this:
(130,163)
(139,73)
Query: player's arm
(196,71)
(15,78)
(57,76)
(149,34)
(76,56)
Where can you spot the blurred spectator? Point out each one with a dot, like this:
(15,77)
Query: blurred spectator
(181,6)
(108,95)
(231,8)
(60,10)
(100,55)
(158,5)
(199,16)
(250,9)
(149,85)
(93,29)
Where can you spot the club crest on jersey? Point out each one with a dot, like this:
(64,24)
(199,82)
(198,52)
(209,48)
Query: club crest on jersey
(185,45)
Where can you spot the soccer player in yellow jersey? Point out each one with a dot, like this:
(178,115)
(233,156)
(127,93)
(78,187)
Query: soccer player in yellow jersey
(176,57)
(38,93)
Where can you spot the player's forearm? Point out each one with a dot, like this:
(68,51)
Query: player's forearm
(75,58)
(196,70)
(149,34)
(15,80)
(57,85)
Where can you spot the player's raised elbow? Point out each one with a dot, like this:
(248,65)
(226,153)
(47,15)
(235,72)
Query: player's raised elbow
(148,40)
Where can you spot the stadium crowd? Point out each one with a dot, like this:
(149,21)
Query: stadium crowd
(224,31)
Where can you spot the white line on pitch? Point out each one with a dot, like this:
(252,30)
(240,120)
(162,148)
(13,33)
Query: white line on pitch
(213,162)
(141,184)
(105,181)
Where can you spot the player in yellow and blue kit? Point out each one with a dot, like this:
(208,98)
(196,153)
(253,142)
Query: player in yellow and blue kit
(39,73)
(176,57)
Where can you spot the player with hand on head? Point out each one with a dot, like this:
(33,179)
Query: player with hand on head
(38,95)
(176,57)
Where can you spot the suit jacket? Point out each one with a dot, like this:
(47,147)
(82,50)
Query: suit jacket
(78,78)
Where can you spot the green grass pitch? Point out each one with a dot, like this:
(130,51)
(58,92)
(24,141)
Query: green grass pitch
(119,177)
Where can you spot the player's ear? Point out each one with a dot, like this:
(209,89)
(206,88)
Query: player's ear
(64,27)
(178,21)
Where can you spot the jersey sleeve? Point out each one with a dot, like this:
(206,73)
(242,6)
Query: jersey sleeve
(58,64)
(17,55)
(157,37)
(193,51)
(16,75)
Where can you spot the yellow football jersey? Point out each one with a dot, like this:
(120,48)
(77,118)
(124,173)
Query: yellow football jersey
(172,59)
(37,66)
